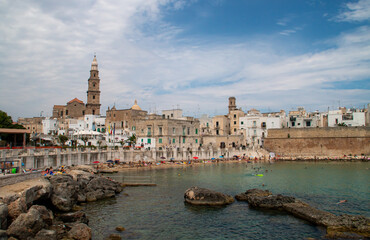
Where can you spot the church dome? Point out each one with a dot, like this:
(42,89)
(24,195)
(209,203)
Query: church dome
(135,106)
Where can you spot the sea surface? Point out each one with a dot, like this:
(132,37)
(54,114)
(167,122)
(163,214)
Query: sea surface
(160,212)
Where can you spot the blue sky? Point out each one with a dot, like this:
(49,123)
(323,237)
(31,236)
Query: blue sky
(194,54)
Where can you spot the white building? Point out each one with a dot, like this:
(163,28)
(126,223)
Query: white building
(256,126)
(350,117)
(50,126)
(205,125)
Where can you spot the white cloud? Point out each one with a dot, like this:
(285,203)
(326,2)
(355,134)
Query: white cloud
(356,11)
(47,49)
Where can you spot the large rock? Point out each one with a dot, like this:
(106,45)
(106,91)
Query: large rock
(3,216)
(35,193)
(203,196)
(80,231)
(264,199)
(65,190)
(104,184)
(78,216)
(45,234)
(27,225)
(16,208)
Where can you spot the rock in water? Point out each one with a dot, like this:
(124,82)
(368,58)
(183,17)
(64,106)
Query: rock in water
(203,196)
(80,231)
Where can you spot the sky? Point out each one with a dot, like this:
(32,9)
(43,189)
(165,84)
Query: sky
(188,54)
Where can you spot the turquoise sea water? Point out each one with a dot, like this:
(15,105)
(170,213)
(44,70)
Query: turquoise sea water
(160,213)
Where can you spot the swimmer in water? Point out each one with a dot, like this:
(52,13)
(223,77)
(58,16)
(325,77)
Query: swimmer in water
(341,201)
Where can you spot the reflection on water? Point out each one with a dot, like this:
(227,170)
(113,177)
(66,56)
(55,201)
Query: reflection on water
(160,213)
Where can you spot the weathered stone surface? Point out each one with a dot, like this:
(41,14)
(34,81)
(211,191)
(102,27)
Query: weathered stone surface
(3,216)
(45,234)
(27,225)
(203,196)
(65,190)
(104,184)
(16,208)
(80,231)
(85,168)
(78,216)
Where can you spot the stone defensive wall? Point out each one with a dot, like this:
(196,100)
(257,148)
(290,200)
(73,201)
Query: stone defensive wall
(320,142)
(54,157)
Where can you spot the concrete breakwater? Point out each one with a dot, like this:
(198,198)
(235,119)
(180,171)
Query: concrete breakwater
(41,158)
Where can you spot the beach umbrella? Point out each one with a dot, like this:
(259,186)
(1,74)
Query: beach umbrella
(221,156)
(213,158)
(172,158)
(195,157)
(110,161)
(163,158)
(95,162)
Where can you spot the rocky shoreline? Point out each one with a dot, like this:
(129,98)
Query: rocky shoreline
(337,227)
(49,209)
(342,226)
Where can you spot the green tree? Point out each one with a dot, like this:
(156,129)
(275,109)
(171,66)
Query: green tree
(85,139)
(342,125)
(62,139)
(132,139)
(7,122)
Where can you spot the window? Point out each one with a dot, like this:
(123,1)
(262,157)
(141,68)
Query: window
(173,140)
(255,132)
(216,124)
(94,83)
(183,140)
(207,125)
(149,130)
(234,122)
(254,123)
(196,140)
(308,124)
(242,122)
(93,112)
(133,128)
(293,124)
(234,130)
(196,131)
(171,114)
(173,130)
(142,140)
(160,140)
(183,131)
(217,133)
(160,130)
(94,97)
(122,124)
(234,115)
(149,140)
(188,131)
(66,112)
(263,124)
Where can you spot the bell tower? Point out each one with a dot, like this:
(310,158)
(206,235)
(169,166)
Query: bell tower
(93,91)
(232,104)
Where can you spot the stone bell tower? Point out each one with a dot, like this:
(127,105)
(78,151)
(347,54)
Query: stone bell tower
(232,104)
(93,91)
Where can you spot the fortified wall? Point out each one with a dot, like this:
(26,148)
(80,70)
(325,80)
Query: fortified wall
(313,142)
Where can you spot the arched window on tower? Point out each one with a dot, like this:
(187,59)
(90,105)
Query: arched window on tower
(94,74)
(93,112)
(93,97)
